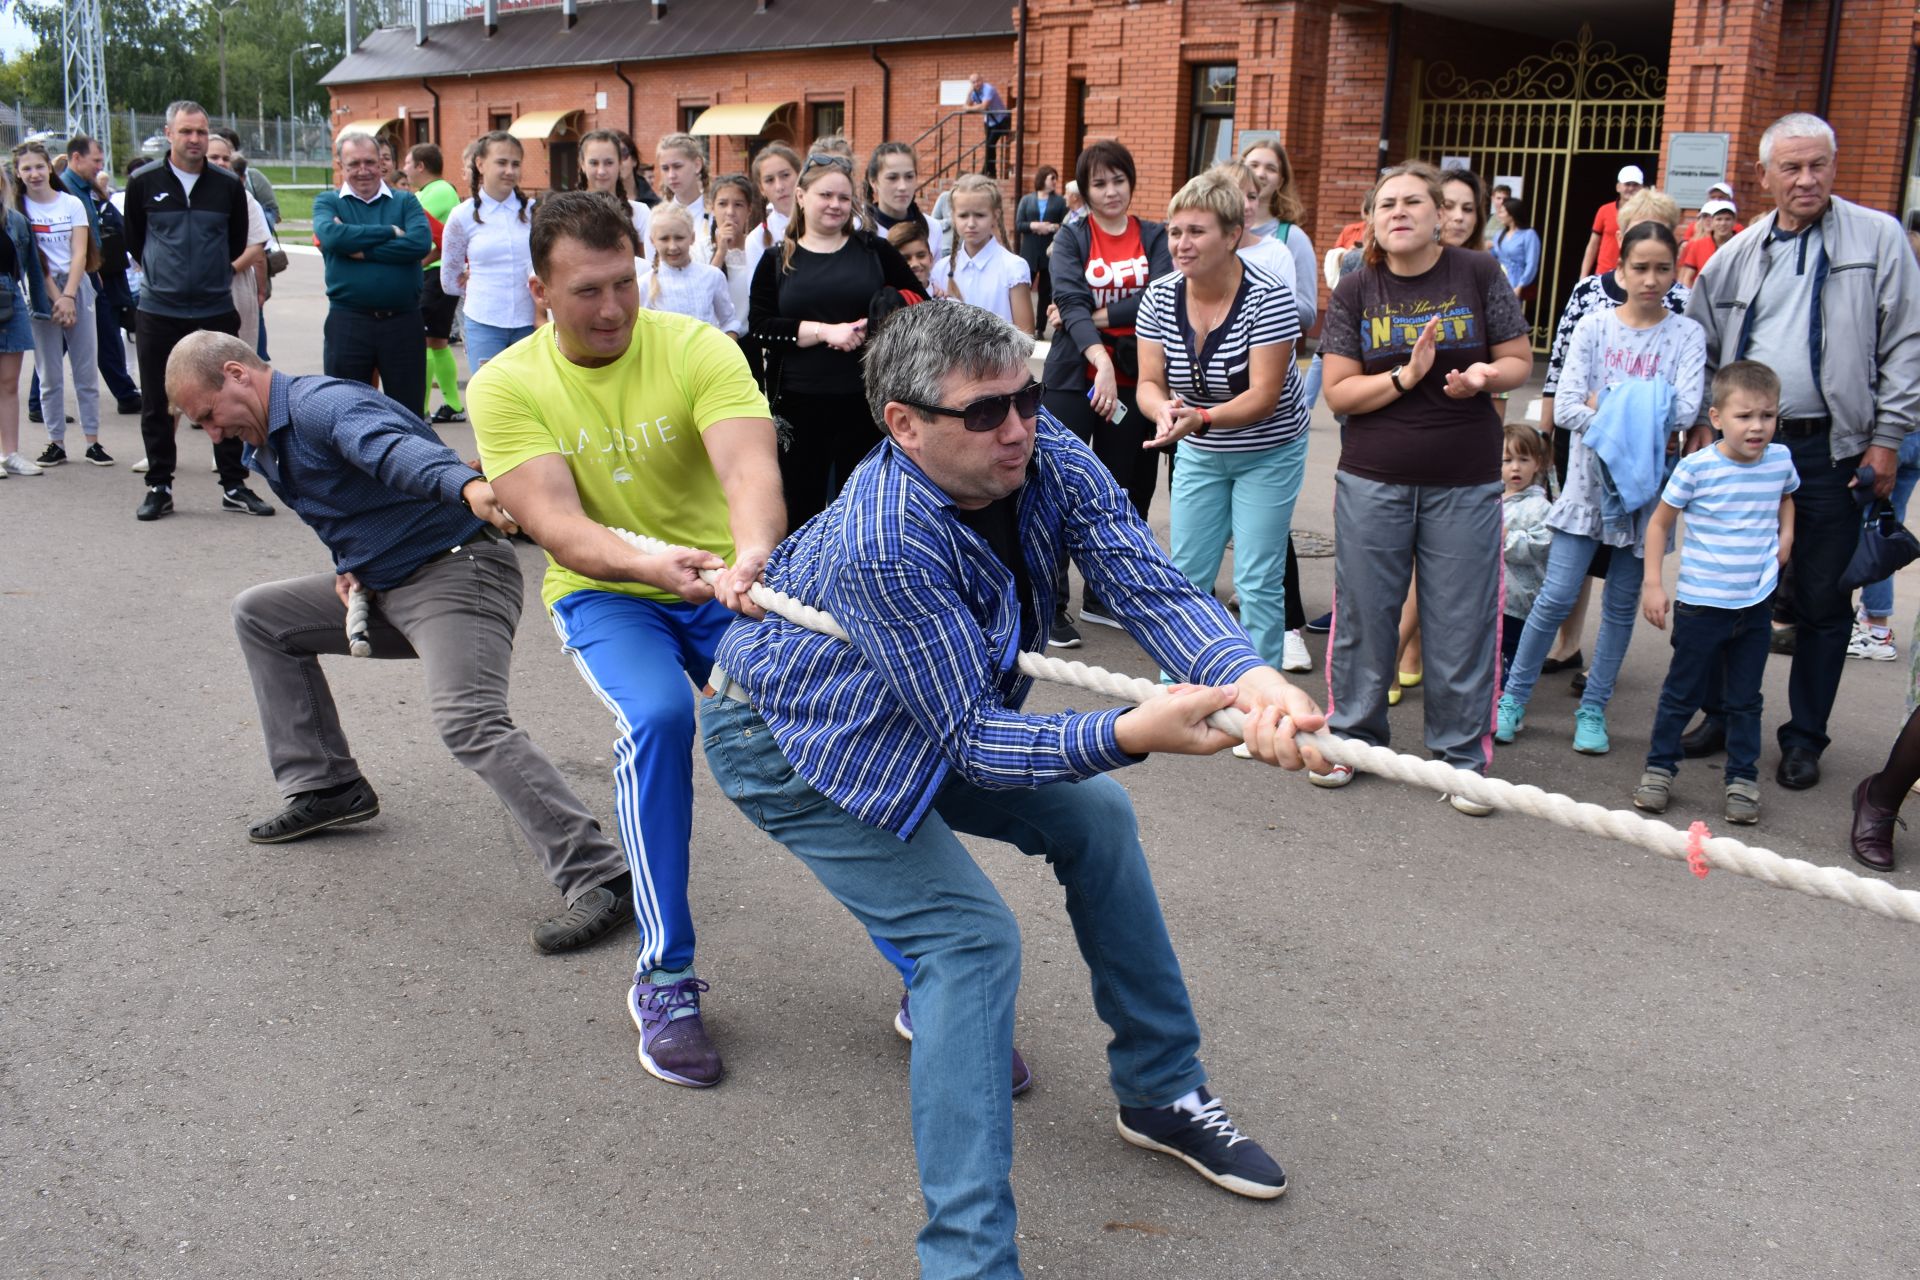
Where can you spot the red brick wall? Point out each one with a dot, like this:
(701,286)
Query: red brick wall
(1737,67)
(660,90)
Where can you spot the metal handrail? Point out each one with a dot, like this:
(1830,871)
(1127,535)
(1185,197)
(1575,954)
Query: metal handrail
(963,154)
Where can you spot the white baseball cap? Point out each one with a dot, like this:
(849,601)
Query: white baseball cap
(1631,173)
(1712,207)
(1721,187)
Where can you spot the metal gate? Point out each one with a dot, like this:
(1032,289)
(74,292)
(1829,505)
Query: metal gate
(1581,98)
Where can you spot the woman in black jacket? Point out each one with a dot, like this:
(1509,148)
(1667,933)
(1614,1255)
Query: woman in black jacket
(1037,218)
(1101,266)
(808,311)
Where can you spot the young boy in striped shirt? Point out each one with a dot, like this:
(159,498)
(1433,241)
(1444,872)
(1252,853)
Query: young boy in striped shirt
(1739,533)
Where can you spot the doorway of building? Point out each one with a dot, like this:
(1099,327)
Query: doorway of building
(1557,128)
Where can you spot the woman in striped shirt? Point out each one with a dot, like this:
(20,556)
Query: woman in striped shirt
(1217,376)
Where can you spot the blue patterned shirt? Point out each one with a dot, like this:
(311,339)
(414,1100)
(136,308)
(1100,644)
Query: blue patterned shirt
(369,476)
(928,684)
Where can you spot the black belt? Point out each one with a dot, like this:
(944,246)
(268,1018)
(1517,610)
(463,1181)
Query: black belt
(1801,428)
(382,315)
(485,533)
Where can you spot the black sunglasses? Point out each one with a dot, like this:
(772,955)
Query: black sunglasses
(820,159)
(988,412)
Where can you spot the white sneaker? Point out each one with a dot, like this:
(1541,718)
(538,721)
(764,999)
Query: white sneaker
(1872,645)
(1338,776)
(1472,808)
(140,467)
(16,464)
(1296,657)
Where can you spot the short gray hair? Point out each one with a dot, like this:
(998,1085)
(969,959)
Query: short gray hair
(918,347)
(198,359)
(185,107)
(1800,124)
(354,135)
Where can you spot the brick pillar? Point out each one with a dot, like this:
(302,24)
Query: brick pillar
(1356,83)
(1722,76)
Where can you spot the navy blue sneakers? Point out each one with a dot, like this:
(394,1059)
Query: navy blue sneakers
(1206,1139)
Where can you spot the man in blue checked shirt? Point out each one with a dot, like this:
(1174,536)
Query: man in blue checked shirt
(407,520)
(869,759)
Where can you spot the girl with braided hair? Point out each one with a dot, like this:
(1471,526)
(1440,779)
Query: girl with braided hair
(485,254)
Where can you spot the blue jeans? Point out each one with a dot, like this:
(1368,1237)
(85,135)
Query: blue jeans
(638,656)
(1876,598)
(927,895)
(1248,497)
(1567,561)
(485,341)
(1707,642)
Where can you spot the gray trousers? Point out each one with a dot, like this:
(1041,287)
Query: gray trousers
(457,614)
(1381,531)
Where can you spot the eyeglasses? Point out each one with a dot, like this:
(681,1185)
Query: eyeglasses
(821,160)
(988,412)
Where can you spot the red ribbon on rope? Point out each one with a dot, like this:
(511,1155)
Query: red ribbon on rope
(1697,837)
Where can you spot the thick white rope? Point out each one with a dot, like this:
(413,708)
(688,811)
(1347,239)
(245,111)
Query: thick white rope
(359,609)
(1626,825)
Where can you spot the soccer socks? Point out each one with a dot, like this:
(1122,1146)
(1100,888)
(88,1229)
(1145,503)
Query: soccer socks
(445,372)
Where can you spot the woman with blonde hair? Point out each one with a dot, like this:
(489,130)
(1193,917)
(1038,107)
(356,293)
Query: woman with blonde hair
(1416,343)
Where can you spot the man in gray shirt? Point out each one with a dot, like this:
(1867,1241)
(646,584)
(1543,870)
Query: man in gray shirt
(1827,294)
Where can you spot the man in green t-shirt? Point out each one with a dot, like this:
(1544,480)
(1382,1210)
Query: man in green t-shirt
(611,417)
(438,198)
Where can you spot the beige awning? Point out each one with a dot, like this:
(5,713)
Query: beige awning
(737,119)
(538,126)
(372,127)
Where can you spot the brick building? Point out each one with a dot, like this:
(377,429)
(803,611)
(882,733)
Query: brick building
(1556,94)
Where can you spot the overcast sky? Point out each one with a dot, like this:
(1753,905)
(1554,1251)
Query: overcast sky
(14,36)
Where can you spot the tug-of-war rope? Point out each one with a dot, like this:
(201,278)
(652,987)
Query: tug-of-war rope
(1696,846)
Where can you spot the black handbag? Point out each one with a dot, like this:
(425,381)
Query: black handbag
(1885,544)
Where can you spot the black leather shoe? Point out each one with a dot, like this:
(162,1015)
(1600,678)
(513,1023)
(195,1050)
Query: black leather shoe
(1871,840)
(593,915)
(1799,769)
(241,498)
(310,812)
(157,503)
(130,405)
(1704,739)
(1577,662)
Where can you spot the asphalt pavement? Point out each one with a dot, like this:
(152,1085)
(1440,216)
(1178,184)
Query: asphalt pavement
(1480,1047)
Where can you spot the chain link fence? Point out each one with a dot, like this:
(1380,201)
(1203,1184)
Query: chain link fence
(140,135)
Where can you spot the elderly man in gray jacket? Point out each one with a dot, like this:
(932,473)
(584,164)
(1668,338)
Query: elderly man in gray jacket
(1827,294)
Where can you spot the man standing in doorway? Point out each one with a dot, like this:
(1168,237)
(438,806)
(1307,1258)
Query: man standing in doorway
(84,161)
(984,98)
(186,226)
(1603,246)
(373,239)
(1826,294)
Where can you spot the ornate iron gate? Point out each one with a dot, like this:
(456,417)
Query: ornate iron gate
(1581,98)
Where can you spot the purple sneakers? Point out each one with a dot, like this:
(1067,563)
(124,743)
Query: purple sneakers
(903,1027)
(676,1049)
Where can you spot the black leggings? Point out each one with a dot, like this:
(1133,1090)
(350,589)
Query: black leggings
(831,433)
(1136,469)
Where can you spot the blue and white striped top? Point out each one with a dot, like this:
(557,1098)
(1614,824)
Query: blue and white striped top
(1262,314)
(1731,559)
(926,687)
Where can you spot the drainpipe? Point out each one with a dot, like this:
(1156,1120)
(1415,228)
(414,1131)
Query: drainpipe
(1825,99)
(1393,69)
(1020,104)
(428,86)
(622,78)
(489,14)
(886,92)
(570,10)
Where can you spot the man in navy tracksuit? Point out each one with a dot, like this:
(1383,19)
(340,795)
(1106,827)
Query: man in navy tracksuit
(186,226)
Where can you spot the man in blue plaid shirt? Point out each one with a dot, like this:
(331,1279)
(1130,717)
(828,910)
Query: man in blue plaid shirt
(869,758)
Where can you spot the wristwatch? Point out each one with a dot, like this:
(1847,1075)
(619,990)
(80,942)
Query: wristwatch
(1394,375)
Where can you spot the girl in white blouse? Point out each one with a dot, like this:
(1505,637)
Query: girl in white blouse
(485,256)
(775,171)
(678,282)
(736,250)
(977,268)
(600,171)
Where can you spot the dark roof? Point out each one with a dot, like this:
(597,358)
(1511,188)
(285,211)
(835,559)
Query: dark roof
(626,32)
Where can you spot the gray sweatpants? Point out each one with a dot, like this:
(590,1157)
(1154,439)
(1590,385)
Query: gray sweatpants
(457,614)
(1381,531)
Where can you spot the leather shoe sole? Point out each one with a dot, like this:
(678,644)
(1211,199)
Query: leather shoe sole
(1799,770)
(593,915)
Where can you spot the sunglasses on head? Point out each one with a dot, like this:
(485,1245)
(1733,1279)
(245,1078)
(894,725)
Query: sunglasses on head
(988,412)
(821,160)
